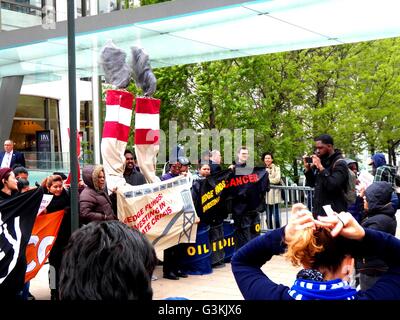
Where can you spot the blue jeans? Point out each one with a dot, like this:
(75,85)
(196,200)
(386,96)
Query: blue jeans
(273,209)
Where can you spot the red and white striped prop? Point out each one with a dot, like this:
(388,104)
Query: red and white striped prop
(147,136)
(115,135)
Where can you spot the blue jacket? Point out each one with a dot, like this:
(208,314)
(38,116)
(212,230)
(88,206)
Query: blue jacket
(255,285)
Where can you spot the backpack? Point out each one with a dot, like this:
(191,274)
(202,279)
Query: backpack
(350,193)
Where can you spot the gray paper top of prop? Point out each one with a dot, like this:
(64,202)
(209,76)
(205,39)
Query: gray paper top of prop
(113,60)
(142,73)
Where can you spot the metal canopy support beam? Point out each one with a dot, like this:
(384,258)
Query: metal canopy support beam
(9,95)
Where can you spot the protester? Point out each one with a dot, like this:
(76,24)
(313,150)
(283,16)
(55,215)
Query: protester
(215,161)
(171,269)
(384,172)
(61,201)
(8,184)
(328,175)
(246,205)
(9,189)
(356,208)
(203,171)
(10,158)
(205,157)
(174,171)
(107,260)
(94,202)
(273,197)
(22,175)
(325,248)
(18,214)
(215,222)
(380,215)
(131,174)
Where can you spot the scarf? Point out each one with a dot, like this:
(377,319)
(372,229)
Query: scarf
(309,285)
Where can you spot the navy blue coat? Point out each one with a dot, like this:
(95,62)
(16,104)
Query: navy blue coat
(255,285)
(17,158)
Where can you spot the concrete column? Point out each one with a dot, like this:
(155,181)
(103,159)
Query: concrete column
(9,95)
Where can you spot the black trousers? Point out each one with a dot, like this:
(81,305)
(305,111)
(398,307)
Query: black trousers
(216,236)
(246,227)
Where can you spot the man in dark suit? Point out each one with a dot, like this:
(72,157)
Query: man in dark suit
(9,157)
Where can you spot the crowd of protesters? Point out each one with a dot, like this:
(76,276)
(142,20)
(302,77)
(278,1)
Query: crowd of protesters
(375,208)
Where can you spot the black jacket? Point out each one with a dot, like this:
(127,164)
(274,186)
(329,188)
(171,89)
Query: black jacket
(380,216)
(61,202)
(135,178)
(329,184)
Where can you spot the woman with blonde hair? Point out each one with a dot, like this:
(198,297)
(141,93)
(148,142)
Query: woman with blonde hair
(326,249)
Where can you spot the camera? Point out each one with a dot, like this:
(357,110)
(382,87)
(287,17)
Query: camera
(308,159)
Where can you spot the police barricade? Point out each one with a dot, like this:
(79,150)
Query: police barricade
(288,196)
(196,257)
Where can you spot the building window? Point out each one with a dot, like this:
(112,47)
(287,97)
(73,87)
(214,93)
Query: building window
(36,114)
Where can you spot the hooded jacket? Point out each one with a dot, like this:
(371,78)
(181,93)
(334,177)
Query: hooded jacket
(380,216)
(378,159)
(95,204)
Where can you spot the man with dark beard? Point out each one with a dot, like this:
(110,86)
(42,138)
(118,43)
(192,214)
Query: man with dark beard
(131,173)
(328,175)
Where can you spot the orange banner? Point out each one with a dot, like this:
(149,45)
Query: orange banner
(44,234)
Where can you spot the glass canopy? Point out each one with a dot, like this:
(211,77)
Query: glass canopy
(235,30)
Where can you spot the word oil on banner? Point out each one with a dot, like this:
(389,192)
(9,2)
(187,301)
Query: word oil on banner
(163,211)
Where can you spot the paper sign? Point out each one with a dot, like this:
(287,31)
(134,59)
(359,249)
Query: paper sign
(45,202)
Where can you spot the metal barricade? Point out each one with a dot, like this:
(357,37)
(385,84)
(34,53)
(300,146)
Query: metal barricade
(289,195)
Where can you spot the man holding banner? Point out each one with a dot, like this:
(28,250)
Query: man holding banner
(247,189)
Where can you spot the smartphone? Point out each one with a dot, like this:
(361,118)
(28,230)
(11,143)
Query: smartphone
(328,210)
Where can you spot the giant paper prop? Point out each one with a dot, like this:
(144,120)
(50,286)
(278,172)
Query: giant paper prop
(115,135)
(147,134)
(163,211)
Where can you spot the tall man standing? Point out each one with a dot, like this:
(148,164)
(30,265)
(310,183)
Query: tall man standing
(9,157)
(327,175)
(247,189)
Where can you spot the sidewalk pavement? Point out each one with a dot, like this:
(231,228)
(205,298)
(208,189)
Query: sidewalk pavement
(219,285)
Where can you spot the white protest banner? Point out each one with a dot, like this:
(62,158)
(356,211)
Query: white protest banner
(163,211)
(45,202)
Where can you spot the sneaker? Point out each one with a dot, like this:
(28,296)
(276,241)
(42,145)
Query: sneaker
(153,278)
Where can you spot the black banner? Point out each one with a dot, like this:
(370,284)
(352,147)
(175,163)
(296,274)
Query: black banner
(17,216)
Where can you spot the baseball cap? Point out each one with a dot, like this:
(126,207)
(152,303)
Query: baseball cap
(183,161)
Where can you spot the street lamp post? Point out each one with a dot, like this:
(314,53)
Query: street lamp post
(73,157)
